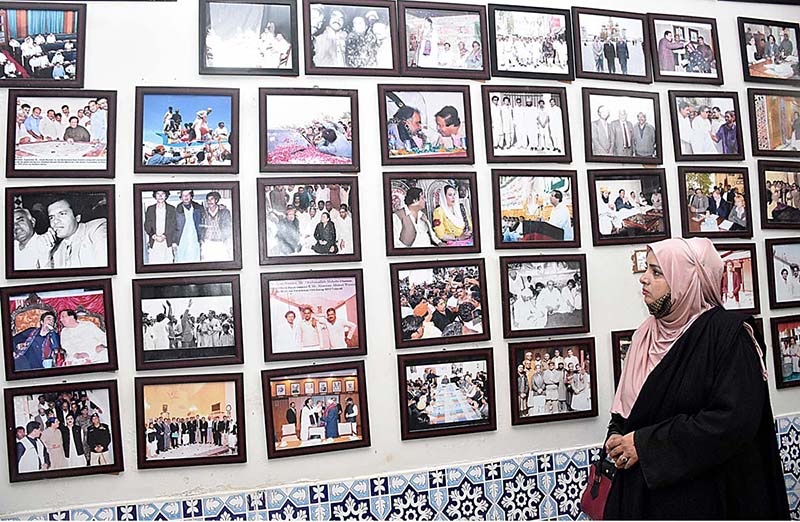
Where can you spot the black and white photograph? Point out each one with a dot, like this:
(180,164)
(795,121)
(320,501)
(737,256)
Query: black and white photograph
(705,126)
(783,268)
(780,194)
(769,50)
(686,49)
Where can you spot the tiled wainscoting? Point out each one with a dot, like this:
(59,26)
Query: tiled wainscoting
(533,486)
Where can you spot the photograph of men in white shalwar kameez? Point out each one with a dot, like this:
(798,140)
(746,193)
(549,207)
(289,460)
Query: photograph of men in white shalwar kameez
(545,295)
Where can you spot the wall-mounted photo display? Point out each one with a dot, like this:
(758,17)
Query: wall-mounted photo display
(526,124)
(780,194)
(59,231)
(63,430)
(774,122)
(248,37)
(193,225)
(531,42)
(446,393)
(308,220)
(786,350)
(611,45)
(769,50)
(315,421)
(308,130)
(190,420)
(436,302)
(686,49)
(189,130)
(544,295)
(740,277)
(61,134)
(621,126)
(535,209)
(441,40)
(705,126)
(628,206)
(715,202)
(428,213)
(423,125)
(620,344)
(180,324)
(783,267)
(351,37)
(44,44)
(313,315)
(552,381)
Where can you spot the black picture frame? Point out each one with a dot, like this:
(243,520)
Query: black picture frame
(691,227)
(793,218)
(675,98)
(772,275)
(658,75)
(746,68)
(777,355)
(618,353)
(757,120)
(726,250)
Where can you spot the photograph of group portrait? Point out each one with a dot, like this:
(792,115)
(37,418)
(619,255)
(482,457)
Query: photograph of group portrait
(686,49)
(739,290)
(783,268)
(769,50)
(780,195)
(705,126)
(63,430)
(716,202)
(774,122)
(449,393)
(786,350)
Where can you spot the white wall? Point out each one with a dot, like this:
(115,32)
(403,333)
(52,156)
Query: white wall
(155,44)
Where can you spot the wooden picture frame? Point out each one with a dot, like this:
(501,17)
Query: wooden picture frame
(691,77)
(768,220)
(693,225)
(731,256)
(620,344)
(779,359)
(684,148)
(789,295)
(639,261)
(758,99)
(760,66)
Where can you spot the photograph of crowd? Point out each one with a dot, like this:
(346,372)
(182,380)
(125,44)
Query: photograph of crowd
(783,264)
(621,126)
(705,126)
(611,45)
(686,49)
(786,349)
(774,122)
(620,344)
(769,50)
(740,277)
(716,202)
(780,202)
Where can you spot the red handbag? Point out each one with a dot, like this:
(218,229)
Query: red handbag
(593,500)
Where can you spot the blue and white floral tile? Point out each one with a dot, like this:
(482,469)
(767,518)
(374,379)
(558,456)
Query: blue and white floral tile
(321,511)
(466,502)
(192,508)
(569,486)
(521,497)
(258,515)
(289,512)
(380,506)
(411,504)
(226,514)
(58,515)
(350,508)
(319,493)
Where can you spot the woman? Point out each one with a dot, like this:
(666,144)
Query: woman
(739,213)
(306,419)
(152,444)
(54,442)
(450,220)
(475,57)
(325,234)
(692,431)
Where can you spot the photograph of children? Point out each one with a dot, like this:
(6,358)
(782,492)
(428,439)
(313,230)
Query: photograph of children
(351,37)
(628,206)
(786,350)
(740,277)
(42,45)
(620,344)
(308,223)
(774,122)
(58,329)
(190,420)
(769,50)
(444,40)
(555,380)
(61,136)
(705,126)
(181,324)
(621,126)
(716,202)
(315,422)
(780,199)
(425,125)
(686,49)
(184,129)
(525,124)
(428,212)
(63,430)
(783,267)
(60,231)
(535,208)
(531,42)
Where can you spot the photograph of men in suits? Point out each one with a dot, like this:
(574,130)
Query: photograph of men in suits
(644,138)
(622,135)
(614,131)
(602,141)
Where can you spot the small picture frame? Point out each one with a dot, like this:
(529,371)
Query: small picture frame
(786,350)
(323,387)
(280,390)
(620,344)
(446,393)
(779,194)
(544,295)
(295,389)
(206,143)
(60,231)
(679,59)
(772,130)
(739,290)
(783,271)
(765,56)
(716,202)
(639,260)
(336,386)
(538,369)
(190,420)
(706,126)
(313,422)
(445,204)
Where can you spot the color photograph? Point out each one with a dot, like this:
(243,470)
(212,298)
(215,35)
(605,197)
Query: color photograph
(705,126)
(769,50)
(716,202)
(620,344)
(740,277)
(783,267)
(780,199)
(786,350)
(686,49)
(774,122)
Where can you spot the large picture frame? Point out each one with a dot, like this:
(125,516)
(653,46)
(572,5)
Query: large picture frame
(770,173)
(740,286)
(706,126)
(759,63)
(766,108)
(702,215)
(784,280)
(620,344)
(785,355)
(695,59)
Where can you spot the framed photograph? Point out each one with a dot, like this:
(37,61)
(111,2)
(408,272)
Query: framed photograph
(639,261)
(44,44)
(786,350)
(705,126)
(531,42)
(280,390)
(526,124)
(304,130)
(628,206)
(180,324)
(544,295)
(740,277)
(555,380)
(313,314)
(315,422)
(317,222)
(439,302)
(686,49)
(295,389)
(336,386)
(200,229)
(408,116)
(774,122)
(783,268)
(716,202)
(621,126)
(203,139)
(780,198)
(190,420)
(61,134)
(59,231)
(442,40)
(63,430)
(446,393)
(620,344)
(248,37)
(351,37)
(428,213)
(323,387)
(535,209)
(769,51)
(611,45)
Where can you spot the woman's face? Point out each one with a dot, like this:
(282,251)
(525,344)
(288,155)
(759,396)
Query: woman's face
(654,284)
(450,195)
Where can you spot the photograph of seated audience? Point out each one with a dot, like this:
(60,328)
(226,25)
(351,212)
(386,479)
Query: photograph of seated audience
(536,208)
(552,381)
(350,36)
(716,201)
(770,50)
(782,196)
(545,295)
(707,126)
(789,339)
(630,207)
